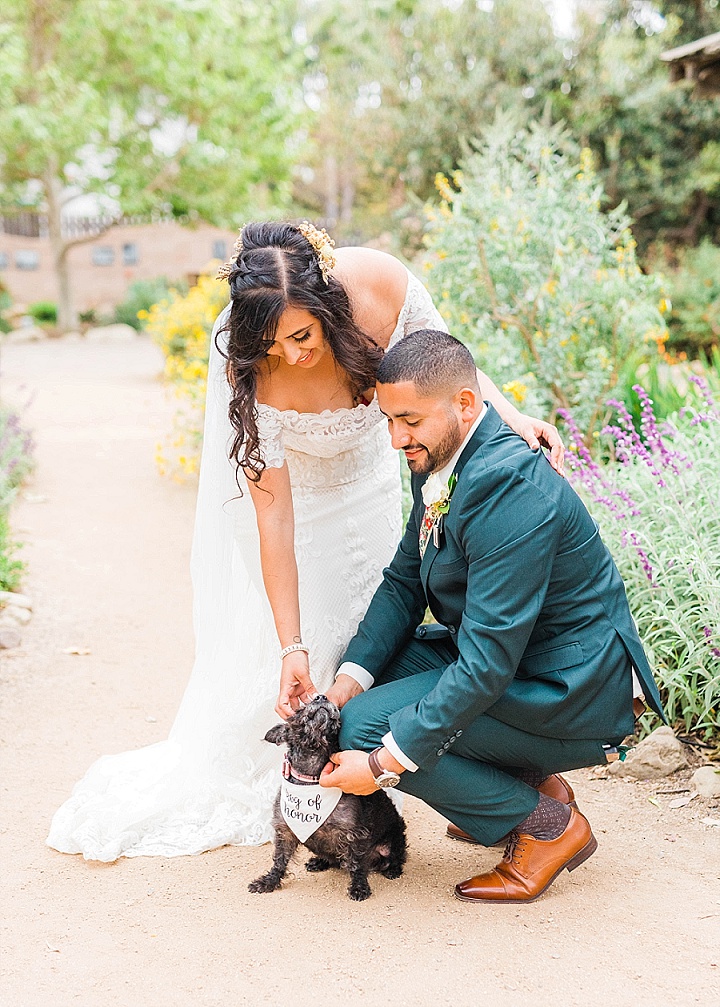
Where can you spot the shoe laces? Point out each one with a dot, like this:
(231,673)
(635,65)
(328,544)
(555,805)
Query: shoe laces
(514,849)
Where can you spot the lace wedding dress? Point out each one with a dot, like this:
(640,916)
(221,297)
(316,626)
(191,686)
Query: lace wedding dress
(214,780)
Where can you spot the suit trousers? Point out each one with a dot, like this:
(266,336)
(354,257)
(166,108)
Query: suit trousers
(474,785)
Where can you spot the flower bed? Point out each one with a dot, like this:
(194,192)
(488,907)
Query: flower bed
(181,324)
(656,494)
(15,464)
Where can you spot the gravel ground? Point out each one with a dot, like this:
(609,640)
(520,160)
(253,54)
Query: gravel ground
(108,547)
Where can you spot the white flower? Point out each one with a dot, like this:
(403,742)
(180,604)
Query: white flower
(434,490)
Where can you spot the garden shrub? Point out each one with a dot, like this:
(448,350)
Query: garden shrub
(181,324)
(139,298)
(5,305)
(694,291)
(15,464)
(16,460)
(44,312)
(535,278)
(655,492)
(11,568)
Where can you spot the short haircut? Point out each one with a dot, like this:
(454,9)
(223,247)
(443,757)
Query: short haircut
(436,363)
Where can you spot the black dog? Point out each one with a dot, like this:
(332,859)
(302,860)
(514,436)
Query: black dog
(362,834)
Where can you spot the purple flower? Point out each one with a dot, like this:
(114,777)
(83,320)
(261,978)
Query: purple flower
(644,559)
(707,395)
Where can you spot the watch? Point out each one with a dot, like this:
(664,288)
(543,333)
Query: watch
(385,778)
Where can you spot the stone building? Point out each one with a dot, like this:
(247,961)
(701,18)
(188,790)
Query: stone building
(103,267)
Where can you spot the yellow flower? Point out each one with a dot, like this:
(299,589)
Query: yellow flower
(443,187)
(517,389)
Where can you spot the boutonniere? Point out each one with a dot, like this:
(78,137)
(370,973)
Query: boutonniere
(436,496)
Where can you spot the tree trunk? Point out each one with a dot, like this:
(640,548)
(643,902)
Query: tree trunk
(68,320)
(67,316)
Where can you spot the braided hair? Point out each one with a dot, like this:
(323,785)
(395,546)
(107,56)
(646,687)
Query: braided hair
(277,269)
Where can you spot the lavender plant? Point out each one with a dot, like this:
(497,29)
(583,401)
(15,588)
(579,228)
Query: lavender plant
(16,460)
(16,455)
(656,496)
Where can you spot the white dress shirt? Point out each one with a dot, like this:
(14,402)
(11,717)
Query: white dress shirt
(361,675)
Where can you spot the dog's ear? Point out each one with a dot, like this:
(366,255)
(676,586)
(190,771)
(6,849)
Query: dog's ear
(277,735)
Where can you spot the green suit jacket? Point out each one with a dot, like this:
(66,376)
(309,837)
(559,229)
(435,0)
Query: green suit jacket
(526,589)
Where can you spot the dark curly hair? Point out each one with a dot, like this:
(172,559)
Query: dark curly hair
(277,269)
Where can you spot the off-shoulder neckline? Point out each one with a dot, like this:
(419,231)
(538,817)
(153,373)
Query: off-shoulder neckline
(360,405)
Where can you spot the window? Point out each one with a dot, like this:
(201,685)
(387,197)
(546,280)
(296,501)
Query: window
(219,249)
(103,255)
(4,261)
(131,256)
(26,259)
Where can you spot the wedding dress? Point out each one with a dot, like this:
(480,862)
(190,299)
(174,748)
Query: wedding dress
(214,780)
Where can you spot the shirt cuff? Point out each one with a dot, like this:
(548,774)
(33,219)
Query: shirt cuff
(637,687)
(397,753)
(361,676)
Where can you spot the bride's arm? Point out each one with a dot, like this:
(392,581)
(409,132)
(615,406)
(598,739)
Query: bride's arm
(535,432)
(272,498)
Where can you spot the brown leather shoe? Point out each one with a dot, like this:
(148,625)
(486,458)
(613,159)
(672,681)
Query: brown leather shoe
(529,866)
(555,786)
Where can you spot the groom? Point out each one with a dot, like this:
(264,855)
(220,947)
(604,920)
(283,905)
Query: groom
(534,663)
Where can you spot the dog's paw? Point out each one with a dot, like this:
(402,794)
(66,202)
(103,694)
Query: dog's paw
(392,871)
(359,892)
(264,884)
(317,864)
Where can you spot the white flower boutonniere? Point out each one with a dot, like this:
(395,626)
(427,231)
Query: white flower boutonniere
(436,493)
(436,496)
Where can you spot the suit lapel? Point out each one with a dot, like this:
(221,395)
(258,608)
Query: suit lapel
(489,425)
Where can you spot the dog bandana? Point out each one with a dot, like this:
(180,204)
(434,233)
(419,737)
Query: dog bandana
(305,807)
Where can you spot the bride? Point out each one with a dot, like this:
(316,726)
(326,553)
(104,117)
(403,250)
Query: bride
(299,510)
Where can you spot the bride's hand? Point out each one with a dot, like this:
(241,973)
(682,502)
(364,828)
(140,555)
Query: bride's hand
(539,433)
(296,686)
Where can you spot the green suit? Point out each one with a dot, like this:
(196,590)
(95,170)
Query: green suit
(531,666)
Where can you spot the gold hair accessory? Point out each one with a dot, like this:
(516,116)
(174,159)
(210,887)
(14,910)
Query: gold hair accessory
(322,244)
(227,267)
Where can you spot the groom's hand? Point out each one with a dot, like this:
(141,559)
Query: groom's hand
(350,771)
(342,690)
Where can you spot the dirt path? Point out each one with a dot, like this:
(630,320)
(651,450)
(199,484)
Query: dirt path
(108,543)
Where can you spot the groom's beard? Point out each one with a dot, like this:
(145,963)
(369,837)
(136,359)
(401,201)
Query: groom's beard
(433,459)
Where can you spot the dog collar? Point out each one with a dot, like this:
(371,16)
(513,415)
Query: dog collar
(289,773)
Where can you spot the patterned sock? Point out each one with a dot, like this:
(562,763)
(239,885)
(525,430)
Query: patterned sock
(547,821)
(532,777)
